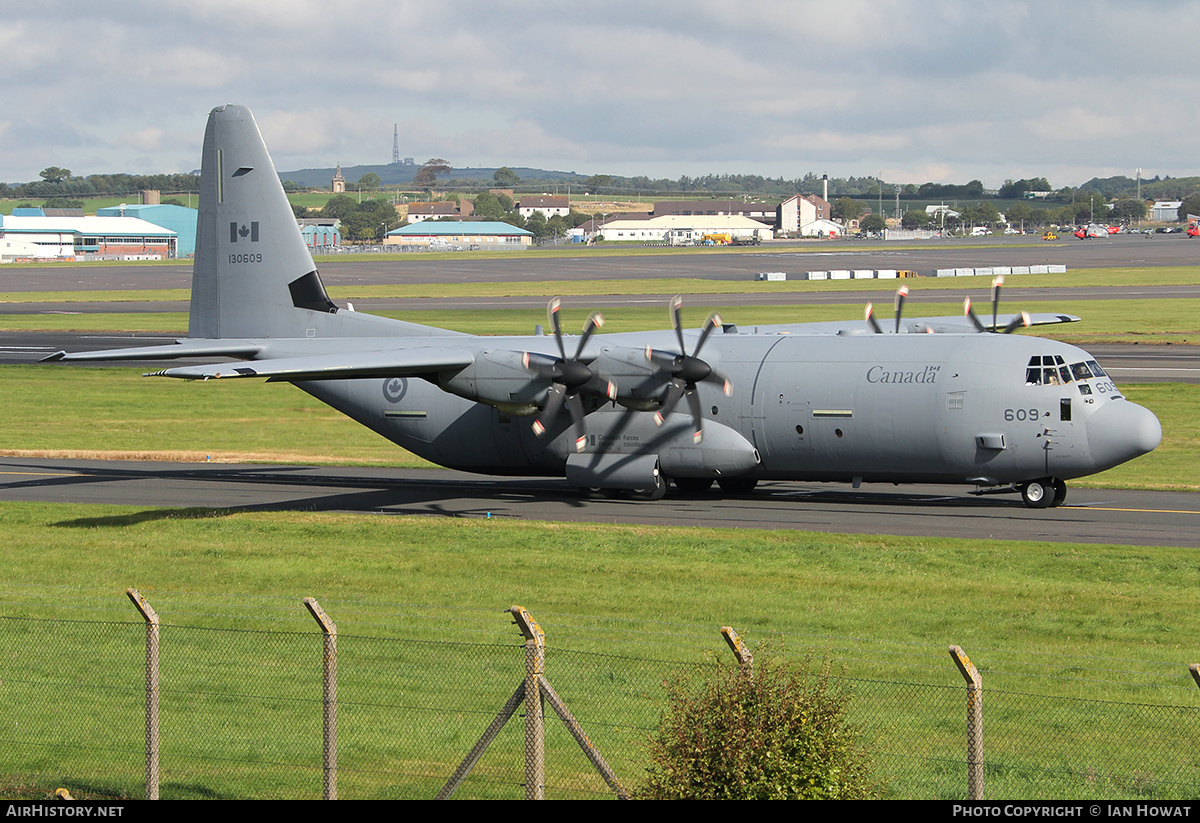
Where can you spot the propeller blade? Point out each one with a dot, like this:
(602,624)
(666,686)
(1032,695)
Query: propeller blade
(602,385)
(997,284)
(554,402)
(693,397)
(969,312)
(726,384)
(595,320)
(901,296)
(870,315)
(552,315)
(711,323)
(543,365)
(664,360)
(575,407)
(1021,320)
(674,392)
(677,320)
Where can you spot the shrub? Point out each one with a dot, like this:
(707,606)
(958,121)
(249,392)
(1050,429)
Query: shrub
(779,733)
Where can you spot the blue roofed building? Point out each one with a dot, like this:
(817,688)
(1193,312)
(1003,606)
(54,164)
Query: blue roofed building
(179,219)
(462,233)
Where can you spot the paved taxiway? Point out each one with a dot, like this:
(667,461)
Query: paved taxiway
(1090,516)
(923,257)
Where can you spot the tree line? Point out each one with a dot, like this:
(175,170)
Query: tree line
(374,217)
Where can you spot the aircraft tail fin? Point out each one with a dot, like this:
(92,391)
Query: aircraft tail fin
(253,275)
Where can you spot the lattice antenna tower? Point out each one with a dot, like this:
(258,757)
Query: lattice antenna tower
(396,144)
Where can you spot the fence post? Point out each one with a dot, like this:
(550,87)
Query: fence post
(740,650)
(974,722)
(1195,670)
(151,618)
(535,737)
(534,690)
(328,697)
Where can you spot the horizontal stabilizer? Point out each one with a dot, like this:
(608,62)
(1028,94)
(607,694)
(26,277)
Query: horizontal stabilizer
(341,366)
(182,348)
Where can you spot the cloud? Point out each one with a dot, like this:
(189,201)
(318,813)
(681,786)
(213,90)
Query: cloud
(1005,89)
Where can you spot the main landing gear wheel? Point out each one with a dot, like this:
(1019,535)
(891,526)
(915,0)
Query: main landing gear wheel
(737,485)
(1041,494)
(1060,492)
(655,492)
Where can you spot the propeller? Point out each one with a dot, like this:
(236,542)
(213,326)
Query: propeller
(686,370)
(569,376)
(1020,320)
(871,321)
(901,296)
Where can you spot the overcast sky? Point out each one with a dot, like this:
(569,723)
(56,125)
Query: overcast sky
(918,90)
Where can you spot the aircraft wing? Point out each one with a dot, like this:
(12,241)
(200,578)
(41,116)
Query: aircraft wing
(180,348)
(340,366)
(912,325)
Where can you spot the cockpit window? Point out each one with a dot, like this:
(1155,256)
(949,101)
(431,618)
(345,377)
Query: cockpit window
(1052,370)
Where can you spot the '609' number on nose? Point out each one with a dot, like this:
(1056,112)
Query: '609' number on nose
(1021,414)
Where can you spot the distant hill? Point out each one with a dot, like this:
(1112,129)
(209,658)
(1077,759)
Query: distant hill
(400,175)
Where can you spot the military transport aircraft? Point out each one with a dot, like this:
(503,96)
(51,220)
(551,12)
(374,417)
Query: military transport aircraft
(843,402)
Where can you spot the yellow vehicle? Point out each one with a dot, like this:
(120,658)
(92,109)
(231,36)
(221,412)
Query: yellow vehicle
(717,239)
(907,273)
(1049,235)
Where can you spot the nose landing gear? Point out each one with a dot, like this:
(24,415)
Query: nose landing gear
(1043,493)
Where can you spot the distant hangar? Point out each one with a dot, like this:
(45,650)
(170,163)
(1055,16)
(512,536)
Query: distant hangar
(33,234)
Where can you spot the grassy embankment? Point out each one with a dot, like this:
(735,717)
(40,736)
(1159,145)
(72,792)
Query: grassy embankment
(1040,618)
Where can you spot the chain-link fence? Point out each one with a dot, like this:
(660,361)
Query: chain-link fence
(245,713)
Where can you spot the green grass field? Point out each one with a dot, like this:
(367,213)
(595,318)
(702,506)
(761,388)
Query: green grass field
(419,605)
(1125,321)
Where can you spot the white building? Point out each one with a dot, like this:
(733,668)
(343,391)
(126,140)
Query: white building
(683,228)
(806,215)
(549,205)
(58,238)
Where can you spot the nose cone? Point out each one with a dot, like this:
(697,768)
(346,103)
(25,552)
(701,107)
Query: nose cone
(1119,431)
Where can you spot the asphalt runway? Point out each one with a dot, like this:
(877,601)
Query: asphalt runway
(923,257)
(1089,516)
(940,301)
